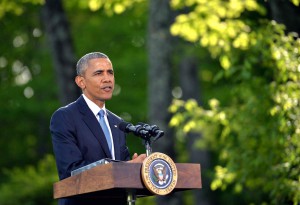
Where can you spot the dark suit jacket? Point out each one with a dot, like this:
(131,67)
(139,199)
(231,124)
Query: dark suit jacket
(78,139)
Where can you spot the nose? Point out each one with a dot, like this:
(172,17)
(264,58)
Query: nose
(107,77)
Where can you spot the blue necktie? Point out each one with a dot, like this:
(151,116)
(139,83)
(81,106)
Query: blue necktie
(105,129)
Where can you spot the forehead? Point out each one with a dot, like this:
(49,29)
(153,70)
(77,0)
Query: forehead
(100,63)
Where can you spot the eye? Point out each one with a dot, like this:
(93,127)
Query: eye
(98,72)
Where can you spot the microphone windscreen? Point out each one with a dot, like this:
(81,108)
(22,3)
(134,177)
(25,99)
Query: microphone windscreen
(122,126)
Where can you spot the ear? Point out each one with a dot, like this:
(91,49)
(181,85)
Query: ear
(80,82)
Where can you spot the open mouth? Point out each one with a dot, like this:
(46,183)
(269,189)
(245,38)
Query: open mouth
(107,88)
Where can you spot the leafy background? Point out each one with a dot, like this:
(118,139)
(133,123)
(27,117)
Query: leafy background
(245,125)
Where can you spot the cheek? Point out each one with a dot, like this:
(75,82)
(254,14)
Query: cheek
(92,84)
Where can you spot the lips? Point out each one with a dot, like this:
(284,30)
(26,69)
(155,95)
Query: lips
(107,88)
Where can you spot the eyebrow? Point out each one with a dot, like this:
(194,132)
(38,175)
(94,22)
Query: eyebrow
(100,70)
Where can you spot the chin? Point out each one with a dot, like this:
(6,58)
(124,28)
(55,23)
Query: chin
(107,98)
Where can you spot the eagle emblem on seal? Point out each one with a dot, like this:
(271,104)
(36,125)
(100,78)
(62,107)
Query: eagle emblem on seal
(160,173)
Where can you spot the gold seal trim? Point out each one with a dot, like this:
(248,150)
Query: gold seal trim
(159,173)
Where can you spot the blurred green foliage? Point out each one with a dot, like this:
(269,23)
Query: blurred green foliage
(252,127)
(29,91)
(30,185)
(27,99)
(255,131)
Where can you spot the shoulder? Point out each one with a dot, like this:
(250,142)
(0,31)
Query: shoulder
(65,109)
(69,111)
(72,107)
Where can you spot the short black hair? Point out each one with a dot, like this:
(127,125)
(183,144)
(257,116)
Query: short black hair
(84,60)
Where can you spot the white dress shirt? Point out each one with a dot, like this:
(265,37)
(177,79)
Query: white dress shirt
(95,109)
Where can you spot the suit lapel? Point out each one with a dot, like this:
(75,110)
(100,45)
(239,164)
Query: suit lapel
(91,121)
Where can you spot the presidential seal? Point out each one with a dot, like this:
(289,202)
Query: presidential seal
(159,173)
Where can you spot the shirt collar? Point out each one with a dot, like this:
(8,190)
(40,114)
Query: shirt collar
(94,108)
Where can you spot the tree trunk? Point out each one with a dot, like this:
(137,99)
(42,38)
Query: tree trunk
(58,33)
(159,73)
(189,82)
(284,12)
(159,78)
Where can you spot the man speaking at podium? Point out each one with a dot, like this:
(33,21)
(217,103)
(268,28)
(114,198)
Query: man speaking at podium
(85,131)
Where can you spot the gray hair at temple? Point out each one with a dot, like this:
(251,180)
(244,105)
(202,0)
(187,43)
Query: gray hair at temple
(82,64)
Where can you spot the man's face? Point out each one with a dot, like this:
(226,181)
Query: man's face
(97,82)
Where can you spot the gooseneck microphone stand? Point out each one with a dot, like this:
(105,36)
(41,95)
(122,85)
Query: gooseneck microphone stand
(146,136)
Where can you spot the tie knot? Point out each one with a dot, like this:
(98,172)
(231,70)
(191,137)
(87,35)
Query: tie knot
(101,113)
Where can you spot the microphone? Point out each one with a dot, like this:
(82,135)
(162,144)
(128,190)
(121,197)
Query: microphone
(153,130)
(136,130)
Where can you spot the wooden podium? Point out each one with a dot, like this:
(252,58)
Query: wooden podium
(113,180)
